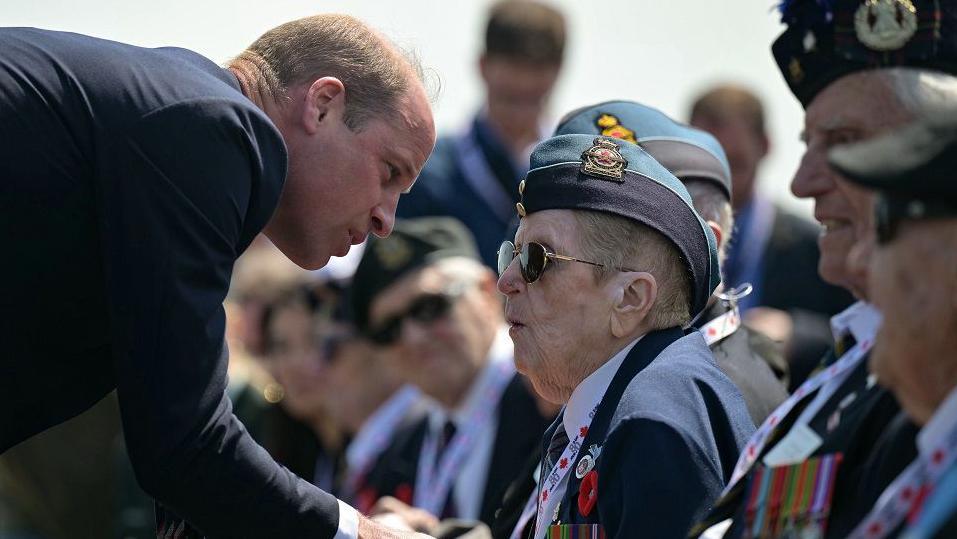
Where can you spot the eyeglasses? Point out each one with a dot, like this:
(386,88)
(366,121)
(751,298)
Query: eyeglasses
(533,259)
(890,211)
(425,309)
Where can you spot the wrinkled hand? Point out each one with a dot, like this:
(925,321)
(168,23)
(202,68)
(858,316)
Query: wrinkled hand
(391,512)
(371,529)
(774,323)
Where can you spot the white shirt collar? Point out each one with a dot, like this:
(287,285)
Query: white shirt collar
(862,320)
(501,351)
(935,431)
(582,401)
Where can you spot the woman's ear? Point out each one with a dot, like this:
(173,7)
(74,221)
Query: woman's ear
(635,293)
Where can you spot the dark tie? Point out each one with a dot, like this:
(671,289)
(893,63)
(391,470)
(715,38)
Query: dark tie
(448,432)
(555,448)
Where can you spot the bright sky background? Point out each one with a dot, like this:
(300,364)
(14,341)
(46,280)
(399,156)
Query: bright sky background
(659,52)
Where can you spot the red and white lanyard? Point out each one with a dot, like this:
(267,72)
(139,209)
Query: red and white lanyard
(549,499)
(434,479)
(376,435)
(722,326)
(905,493)
(836,373)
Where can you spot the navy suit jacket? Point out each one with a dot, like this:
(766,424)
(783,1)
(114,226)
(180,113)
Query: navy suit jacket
(130,181)
(670,428)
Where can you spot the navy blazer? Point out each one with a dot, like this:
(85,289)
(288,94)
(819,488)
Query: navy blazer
(670,428)
(130,181)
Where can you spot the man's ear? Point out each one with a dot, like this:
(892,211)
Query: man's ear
(324,100)
(716,228)
(635,295)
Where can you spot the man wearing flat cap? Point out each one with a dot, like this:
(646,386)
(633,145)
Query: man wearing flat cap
(750,359)
(424,296)
(610,261)
(860,68)
(913,279)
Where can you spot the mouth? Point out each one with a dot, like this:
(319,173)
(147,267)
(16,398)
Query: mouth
(830,225)
(357,237)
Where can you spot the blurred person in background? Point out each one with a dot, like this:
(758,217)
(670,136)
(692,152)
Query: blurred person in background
(772,249)
(423,296)
(473,176)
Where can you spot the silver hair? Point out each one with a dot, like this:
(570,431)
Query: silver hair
(712,205)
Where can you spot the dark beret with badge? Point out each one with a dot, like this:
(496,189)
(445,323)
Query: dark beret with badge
(584,172)
(827,39)
(413,244)
(914,169)
(685,151)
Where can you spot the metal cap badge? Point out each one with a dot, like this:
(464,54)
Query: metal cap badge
(603,160)
(885,25)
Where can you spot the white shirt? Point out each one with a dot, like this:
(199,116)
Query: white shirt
(579,406)
(469,487)
(935,431)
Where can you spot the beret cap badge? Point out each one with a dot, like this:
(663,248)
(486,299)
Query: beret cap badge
(603,160)
(885,25)
(611,127)
(393,252)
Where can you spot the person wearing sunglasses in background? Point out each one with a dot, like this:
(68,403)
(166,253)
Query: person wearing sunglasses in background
(913,281)
(424,296)
(610,262)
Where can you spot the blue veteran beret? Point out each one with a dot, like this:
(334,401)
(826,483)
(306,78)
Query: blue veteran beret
(584,172)
(915,162)
(827,39)
(685,151)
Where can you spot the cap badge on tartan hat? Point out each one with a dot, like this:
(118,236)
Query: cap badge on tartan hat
(885,25)
(611,127)
(604,161)
(393,252)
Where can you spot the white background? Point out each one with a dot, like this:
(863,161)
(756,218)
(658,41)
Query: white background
(659,52)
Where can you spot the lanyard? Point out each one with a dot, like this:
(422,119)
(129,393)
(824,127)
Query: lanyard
(527,514)
(836,373)
(377,435)
(905,493)
(549,499)
(722,326)
(434,477)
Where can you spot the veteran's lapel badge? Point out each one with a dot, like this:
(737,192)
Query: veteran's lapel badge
(611,127)
(394,252)
(885,25)
(587,462)
(603,160)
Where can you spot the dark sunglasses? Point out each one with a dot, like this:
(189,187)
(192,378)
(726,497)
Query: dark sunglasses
(425,309)
(890,211)
(533,259)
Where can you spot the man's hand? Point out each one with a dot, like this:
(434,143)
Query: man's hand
(391,512)
(369,529)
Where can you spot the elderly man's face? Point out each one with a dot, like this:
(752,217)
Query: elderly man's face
(913,281)
(342,184)
(442,356)
(844,112)
(558,322)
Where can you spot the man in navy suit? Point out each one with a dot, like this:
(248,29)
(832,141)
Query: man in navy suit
(132,180)
(610,262)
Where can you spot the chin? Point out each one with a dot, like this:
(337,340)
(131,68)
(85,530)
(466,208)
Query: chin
(307,260)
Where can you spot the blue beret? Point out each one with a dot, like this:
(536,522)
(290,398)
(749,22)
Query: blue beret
(584,172)
(685,151)
(827,39)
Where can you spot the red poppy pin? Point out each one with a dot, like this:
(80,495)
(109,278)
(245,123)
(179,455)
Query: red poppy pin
(403,493)
(588,493)
(365,499)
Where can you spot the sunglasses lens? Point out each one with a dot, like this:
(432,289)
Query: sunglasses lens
(506,252)
(882,216)
(388,333)
(533,261)
(430,308)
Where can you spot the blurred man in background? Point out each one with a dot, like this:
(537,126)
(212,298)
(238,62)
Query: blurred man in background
(473,176)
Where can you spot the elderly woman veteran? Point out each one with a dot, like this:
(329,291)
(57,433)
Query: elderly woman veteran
(610,262)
